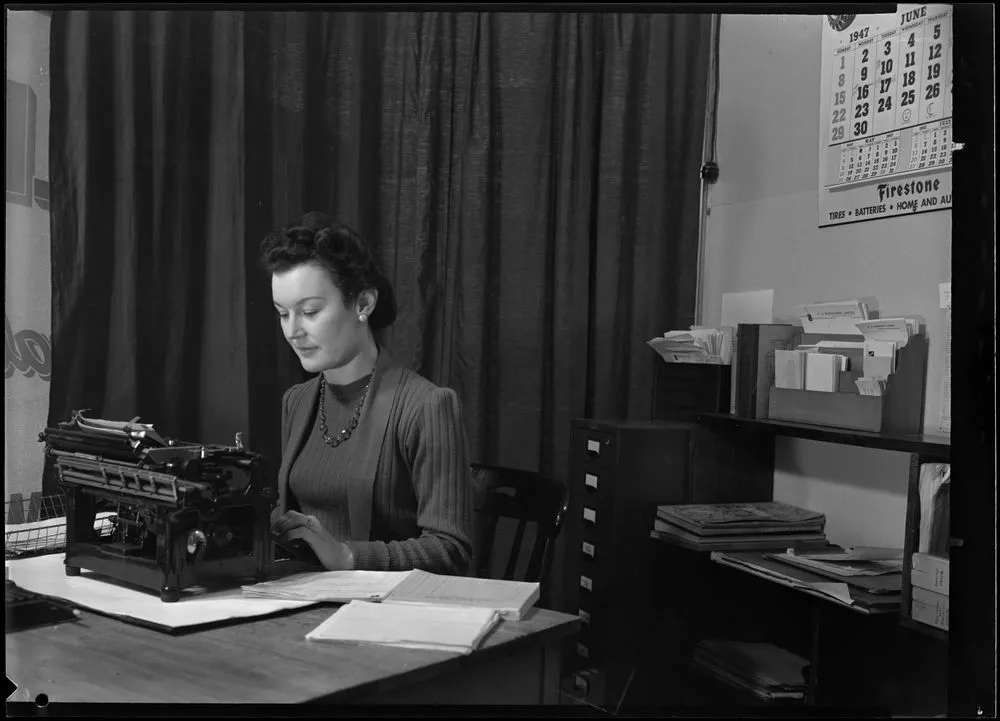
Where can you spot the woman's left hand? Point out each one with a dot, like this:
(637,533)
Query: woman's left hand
(334,555)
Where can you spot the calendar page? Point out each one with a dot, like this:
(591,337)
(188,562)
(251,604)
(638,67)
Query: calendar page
(885,124)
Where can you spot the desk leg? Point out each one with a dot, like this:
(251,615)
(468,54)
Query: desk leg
(813,681)
(551,674)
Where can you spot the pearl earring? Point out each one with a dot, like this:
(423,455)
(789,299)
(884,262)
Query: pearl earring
(363,318)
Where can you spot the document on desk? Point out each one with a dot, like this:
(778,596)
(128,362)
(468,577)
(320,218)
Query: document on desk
(329,586)
(46,575)
(436,628)
(511,599)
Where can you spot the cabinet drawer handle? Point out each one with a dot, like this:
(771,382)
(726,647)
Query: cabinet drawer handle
(589,514)
(584,616)
(582,650)
(590,480)
(588,548)
(593,446)
(587,583)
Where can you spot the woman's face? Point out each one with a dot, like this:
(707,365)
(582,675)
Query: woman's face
(322,330)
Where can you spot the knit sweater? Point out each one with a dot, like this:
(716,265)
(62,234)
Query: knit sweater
(406,481)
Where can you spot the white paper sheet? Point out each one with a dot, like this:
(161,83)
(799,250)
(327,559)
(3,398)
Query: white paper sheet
(755,306)
(46,575)
(944,423)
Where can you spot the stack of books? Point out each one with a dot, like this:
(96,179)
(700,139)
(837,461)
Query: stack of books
(765,670)
(739,526)
(930,582)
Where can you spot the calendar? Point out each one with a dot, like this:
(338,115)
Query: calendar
(886,120)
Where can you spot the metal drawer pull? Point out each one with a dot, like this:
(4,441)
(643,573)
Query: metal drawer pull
(584,616)
(582,650)
(588,548)
(590,480)
(593,446)
(589,514)
(587,583)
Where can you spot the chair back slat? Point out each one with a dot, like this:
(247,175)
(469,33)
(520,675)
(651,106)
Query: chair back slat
(525,497)
(515,550)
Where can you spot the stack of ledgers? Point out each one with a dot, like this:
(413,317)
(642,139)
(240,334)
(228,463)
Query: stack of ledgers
(739,526)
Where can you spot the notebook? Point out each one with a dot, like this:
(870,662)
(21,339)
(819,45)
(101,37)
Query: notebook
(437,628)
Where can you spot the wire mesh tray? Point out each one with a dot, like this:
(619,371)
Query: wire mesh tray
(37,525)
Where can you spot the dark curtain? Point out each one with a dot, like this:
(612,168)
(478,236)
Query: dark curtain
(148,278)
(531,181)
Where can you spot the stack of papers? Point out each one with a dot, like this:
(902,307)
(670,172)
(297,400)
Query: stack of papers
(875,570)
(767,671)
(838,317)
(852,594)
(510,599)
(697,345)
(438,628)
(718,526)
(329,586)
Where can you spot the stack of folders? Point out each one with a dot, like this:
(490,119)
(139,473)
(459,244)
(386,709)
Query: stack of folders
(697,345)
(929,589)
(818,366)
(872,576)
(738,526)
(767,671)
(929,572)
(809,369)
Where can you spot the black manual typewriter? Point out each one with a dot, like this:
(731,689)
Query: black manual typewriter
(182,514)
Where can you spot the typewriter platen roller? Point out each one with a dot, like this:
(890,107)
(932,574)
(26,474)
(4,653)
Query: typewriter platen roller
(183,514)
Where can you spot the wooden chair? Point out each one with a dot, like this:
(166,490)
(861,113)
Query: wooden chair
(525,497)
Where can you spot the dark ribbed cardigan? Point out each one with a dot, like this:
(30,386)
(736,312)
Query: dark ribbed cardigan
(414,444)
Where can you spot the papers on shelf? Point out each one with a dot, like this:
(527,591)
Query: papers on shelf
(825,563)
(837,317)
(895,331)
(870,386)
(439,628)
(853,553)
(46,575)
(823,371)
(934,488)
(697,345)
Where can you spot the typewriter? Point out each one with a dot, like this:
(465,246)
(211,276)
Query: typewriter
(182,514)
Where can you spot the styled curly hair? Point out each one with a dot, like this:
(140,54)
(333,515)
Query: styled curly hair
(340,251)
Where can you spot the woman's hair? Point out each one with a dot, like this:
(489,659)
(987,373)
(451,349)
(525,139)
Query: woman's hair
(338,249)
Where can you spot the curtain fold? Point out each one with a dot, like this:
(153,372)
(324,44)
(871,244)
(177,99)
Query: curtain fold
(530,183)
(147,247)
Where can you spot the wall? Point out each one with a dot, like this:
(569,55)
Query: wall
(762,233)
(27,298)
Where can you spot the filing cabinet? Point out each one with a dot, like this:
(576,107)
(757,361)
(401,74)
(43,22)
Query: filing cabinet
(620,471)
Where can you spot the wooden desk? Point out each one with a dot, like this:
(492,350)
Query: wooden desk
(100,659)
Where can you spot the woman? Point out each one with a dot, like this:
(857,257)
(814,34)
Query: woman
(374,472)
